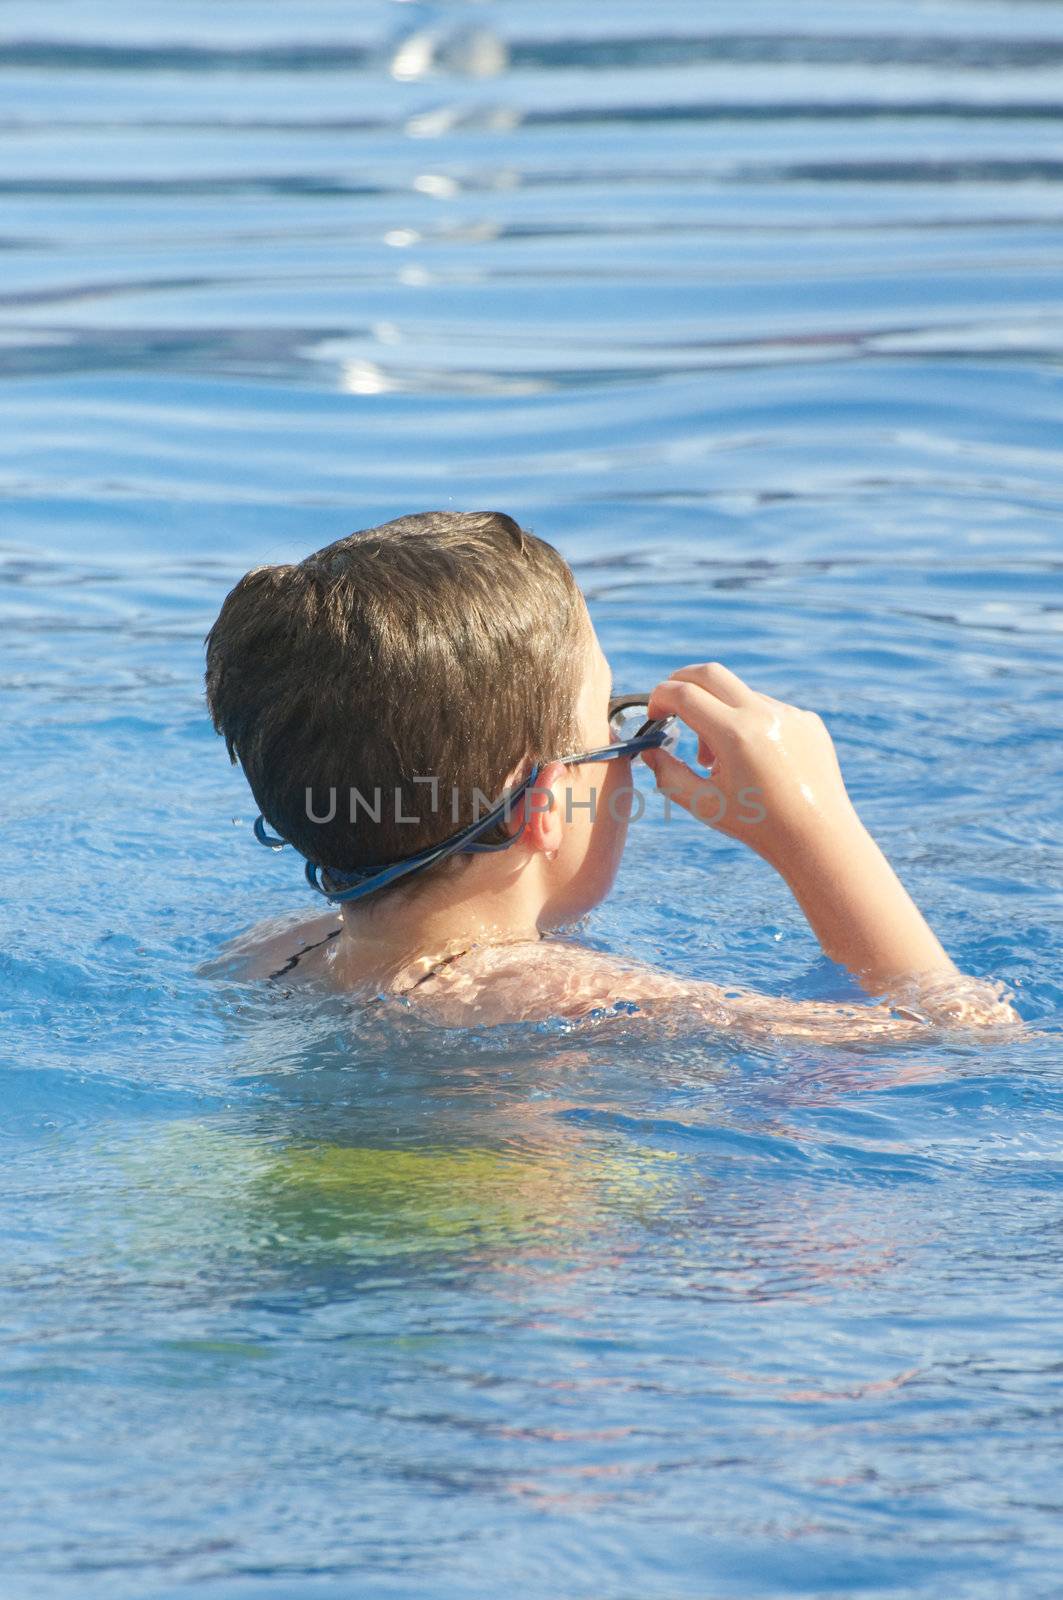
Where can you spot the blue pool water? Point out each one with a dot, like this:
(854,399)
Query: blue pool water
(756,311)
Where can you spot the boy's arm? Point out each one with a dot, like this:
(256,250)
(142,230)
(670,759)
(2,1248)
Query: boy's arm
(865,919)
(600,981)
(775,784)
(965,1003)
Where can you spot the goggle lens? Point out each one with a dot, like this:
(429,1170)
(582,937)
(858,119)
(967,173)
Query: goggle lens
(627,722)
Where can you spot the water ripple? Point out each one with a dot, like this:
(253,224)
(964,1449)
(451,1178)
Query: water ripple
(756,313)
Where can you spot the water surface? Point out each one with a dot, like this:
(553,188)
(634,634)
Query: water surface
(756,313)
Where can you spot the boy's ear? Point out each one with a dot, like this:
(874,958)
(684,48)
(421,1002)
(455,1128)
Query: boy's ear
(541,809)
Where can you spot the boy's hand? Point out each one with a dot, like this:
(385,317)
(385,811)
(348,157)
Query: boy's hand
(776,785)
(775,782)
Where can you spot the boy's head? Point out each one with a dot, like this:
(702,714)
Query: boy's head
(446,645)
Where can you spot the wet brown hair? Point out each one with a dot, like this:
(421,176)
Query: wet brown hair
(446,644)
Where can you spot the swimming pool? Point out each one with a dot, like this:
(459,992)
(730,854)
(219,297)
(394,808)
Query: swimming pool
(760,321)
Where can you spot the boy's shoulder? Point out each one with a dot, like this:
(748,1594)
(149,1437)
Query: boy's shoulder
(558,979)
(535,981)
(268,947)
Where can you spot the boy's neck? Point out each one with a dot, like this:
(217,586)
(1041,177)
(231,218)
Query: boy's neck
(391,937)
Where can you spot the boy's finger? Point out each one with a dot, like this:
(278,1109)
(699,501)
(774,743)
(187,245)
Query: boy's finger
(719,681)
(698,707)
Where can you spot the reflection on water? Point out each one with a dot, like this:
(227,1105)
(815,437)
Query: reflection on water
(757,315)
(472,52)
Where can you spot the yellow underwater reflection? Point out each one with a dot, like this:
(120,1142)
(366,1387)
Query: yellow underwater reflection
(227,1188)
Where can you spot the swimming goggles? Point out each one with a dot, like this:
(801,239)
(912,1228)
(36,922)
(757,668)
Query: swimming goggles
(632,730)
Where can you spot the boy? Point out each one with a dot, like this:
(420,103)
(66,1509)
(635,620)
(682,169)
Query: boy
(382,695)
